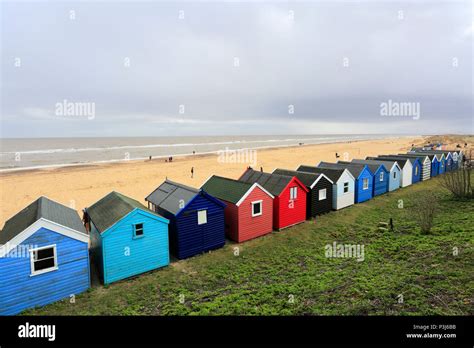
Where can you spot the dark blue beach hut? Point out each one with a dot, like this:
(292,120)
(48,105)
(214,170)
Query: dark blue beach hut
(364,178)
(381,176)
(196,218)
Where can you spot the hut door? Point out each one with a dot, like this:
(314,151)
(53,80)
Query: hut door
(202,224)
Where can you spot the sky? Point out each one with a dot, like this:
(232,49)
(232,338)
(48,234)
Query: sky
(162,68)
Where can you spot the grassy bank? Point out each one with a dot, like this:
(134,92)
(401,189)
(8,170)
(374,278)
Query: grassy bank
(287,273)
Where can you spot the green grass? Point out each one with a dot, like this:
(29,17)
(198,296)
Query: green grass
(291,264)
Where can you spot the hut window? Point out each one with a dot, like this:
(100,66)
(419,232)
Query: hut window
(394,175)
(293,193)
(416,170)
(365,184)
(43,260)
(381,176)
(322,194)
(138,230)
(202,217)
(257,208)
(346,187)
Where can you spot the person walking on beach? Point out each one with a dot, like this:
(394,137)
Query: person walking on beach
(192,172)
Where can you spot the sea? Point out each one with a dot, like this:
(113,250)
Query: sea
(33,153)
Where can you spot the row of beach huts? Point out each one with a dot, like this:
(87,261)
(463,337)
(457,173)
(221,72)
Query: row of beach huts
(45,248)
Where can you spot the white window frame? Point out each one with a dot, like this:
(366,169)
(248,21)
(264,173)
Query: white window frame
(381,176)
(364,187)
(320,194)
(416,170)
(293,193)
(261,208)
(47,270)
(199,216)
(344,187)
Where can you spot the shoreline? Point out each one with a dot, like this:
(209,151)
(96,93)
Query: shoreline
(82,185)
(50,167)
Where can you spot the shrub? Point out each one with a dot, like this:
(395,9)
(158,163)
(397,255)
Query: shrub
(459,183)
(426,209)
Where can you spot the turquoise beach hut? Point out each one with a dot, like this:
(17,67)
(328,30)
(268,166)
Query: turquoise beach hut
(126,238)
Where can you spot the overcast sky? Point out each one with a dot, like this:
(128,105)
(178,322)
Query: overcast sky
(235,67)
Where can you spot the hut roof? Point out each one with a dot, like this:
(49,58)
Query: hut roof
(332,173)
(229,190)
(273,183)
(41,208)
(355,168)
(307,178)
(111,208)
(171,195)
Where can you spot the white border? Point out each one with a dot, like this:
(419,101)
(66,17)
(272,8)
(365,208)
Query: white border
(261,207)
(47,270)
(33,228)
(325,194)
(250,191)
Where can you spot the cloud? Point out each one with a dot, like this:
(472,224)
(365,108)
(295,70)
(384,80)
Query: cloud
(138,62)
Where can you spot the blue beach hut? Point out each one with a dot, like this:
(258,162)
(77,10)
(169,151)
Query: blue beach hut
(441,163)
(381,176)
(126,238)
(196,218)
(364,178)
(435,163)
(415,162)
(44,257)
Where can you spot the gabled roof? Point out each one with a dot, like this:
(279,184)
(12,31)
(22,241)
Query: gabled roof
(373,166)
(412,159)
(421,157)
(308,179)
(230,190)
(432,156)
(401,160)
(273,183)
(172,196)
(113,207)
(42,208)
(437,153)
(387,162)
(355,168)
(333,174)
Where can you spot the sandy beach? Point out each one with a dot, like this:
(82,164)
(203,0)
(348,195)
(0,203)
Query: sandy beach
(81,186)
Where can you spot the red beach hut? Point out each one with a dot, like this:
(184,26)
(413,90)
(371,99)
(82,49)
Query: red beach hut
(289,205)
(249,207)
